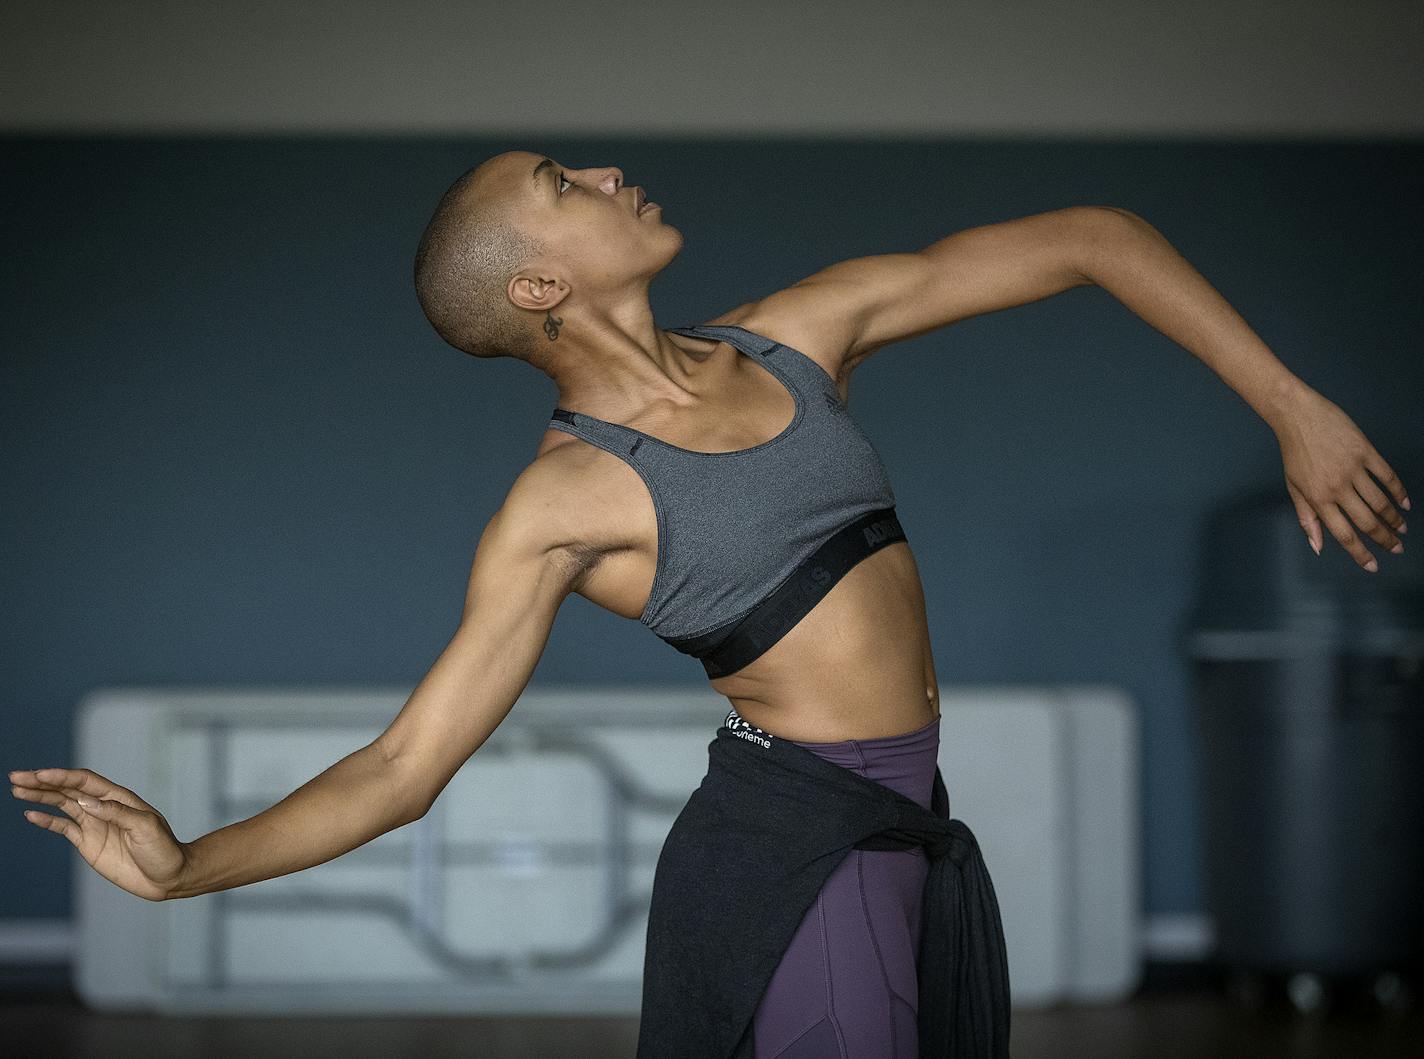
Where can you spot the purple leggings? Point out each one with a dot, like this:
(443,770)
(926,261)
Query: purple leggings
(846,987)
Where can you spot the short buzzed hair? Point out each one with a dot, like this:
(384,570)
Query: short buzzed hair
(469,250)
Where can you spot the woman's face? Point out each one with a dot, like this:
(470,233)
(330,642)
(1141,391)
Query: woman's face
(589,220)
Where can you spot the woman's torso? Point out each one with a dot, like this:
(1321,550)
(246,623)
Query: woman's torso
(858,665)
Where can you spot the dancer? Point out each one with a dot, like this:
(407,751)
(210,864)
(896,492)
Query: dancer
(710,481)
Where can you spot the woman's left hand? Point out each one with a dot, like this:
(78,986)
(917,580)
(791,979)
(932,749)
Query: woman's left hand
(1328,463)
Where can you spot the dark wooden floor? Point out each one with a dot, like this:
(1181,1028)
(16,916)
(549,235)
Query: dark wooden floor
(1165,1020)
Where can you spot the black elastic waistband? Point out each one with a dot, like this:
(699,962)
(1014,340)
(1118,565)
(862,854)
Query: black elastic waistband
(729,647)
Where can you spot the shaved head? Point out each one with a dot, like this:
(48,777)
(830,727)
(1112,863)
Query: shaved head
(520,236)
(467,254)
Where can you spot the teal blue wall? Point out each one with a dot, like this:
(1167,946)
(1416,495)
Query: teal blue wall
(234,453)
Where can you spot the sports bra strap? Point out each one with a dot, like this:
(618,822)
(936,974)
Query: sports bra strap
(611,437)
(747,341)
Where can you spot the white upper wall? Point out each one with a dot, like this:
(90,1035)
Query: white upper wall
(898,68)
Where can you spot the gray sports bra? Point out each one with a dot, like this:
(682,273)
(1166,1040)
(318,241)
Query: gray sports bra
(750,540)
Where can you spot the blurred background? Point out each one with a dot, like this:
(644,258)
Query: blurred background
(243,480)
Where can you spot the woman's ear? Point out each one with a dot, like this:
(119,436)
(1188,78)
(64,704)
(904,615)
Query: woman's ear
(531,291)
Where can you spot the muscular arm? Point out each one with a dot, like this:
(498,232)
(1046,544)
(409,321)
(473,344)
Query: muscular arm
(521,574)
(842,313)
(875,301)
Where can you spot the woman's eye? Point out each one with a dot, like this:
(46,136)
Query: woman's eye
(563,181)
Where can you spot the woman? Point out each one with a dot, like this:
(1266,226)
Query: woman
(710,482)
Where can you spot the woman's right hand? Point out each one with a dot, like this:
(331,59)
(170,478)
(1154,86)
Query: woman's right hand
(123,838)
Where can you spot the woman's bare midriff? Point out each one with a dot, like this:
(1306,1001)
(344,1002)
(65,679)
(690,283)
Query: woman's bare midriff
(858,666)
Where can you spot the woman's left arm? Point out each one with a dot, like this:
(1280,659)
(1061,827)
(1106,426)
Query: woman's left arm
(1327,460)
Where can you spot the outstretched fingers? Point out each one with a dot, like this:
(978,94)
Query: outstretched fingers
(1367,521)
(52,822)
(1382,508)
(1344,532)
(1306,516)
(1357,509)
(68,805)
(1376,465)
(76,783)
(77,808)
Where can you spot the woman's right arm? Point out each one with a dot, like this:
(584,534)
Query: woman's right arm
(523,570)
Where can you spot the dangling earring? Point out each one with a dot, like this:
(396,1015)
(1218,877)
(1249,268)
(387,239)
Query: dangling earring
(551,326)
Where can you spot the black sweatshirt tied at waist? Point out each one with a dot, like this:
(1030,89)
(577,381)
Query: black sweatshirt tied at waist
(742,863)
